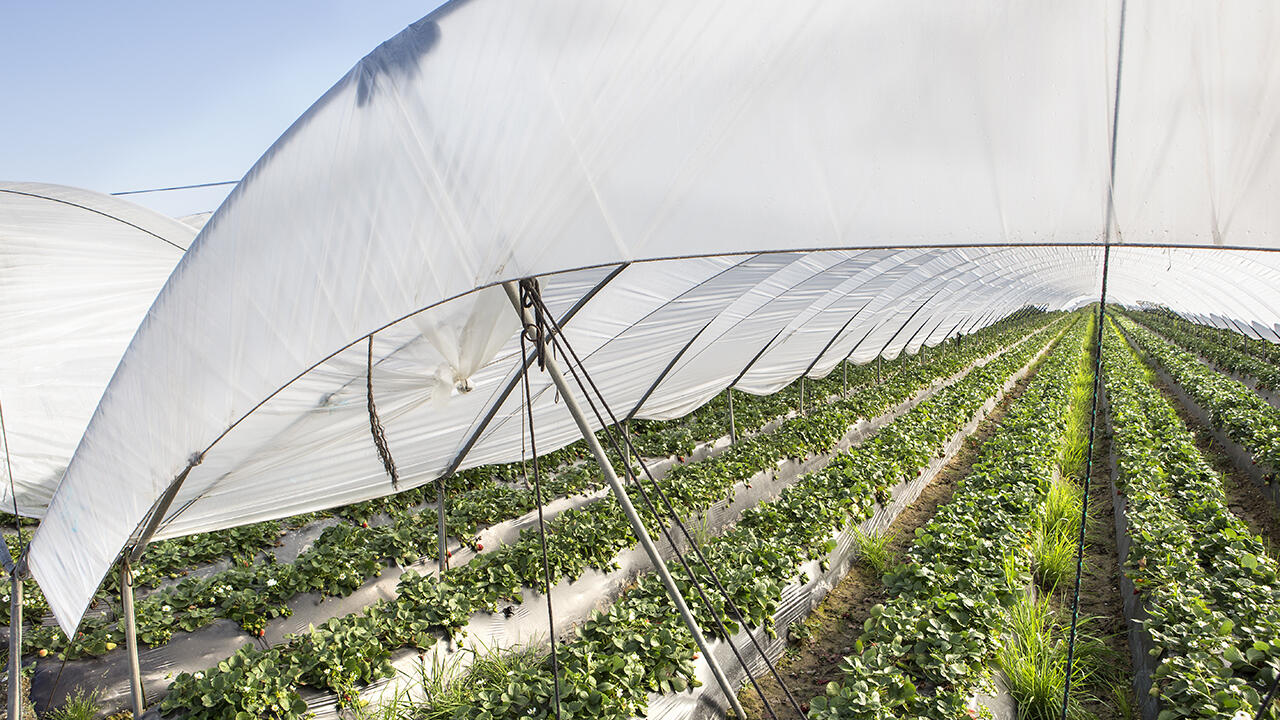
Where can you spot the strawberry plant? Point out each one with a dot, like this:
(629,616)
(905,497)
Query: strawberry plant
(250,684)
(1208,584)
(341,655)
(254,591)
(1232,407)
(607,669)
(1257,359)
(924,652)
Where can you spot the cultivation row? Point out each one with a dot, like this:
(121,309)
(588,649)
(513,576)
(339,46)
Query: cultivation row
(1232,407)
(1264,350)
(927,652)
(1207,583)
(575,600)
(1225,355)
(346,555)
(868,543)
(589,537)
(200,647)
(761,555)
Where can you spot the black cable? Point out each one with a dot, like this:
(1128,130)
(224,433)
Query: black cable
(375,425)
(537,490)
(1084,495)
(1271,696)
(697,585)
(53,691)
(728,601)
(4,436)
(177,187)
(1097,371)
(732,606)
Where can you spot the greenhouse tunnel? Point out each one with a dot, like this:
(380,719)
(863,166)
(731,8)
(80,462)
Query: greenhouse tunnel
(78,271)
(704,197)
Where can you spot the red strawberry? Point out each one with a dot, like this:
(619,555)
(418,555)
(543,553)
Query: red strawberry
(479,547)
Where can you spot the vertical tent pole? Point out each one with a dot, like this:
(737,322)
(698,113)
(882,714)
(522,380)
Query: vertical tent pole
(15,645)
(624,427)
(442,541)
(131,636)
(845,367)
(825,348)
(637,525)
(733,426)
(16,569)
(130,555)
(1109,221)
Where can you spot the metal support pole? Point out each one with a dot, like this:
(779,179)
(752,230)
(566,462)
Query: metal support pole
(845,367)
(877,369)
(625,428)
(131,636)
(733,426)
(442,540)
(801,394)
(637,525)
(15,647)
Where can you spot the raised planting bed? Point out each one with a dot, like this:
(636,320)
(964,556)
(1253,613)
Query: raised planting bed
(1210,600)
(1245,425)
(927,653)
(1135,613)
(336,564)
(591,537)
(1254,367)
(941,424)
(620,657)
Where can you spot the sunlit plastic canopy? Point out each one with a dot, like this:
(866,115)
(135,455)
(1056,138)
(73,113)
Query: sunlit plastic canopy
(78,271)
(711,194)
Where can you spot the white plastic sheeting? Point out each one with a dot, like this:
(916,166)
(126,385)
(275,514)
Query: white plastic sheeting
(956,159)
(196,220)
(78,271)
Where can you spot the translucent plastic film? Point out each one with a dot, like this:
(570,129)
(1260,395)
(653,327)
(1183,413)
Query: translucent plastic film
(78,271)
(953,162)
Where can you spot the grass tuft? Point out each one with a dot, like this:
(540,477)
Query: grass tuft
(1013,566)
(1056,535)
(79,706)
(449,683)
(874,553)
(1034,661)
(1073,459)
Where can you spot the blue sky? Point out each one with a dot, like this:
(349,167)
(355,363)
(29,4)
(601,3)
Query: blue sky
(126,95)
